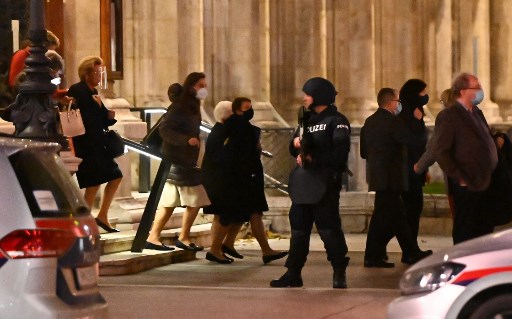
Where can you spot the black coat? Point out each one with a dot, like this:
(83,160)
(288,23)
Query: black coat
(383,144)
(97,167)
(417,128)
(232,170)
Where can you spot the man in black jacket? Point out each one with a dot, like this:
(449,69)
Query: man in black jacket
(383,141)
(315,184)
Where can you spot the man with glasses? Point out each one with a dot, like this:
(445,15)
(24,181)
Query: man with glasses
(466,152)
(383,140)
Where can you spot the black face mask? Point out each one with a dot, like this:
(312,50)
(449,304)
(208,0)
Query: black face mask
(420,100)
(249,114)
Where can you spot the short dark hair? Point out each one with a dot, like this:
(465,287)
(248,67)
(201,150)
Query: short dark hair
(237,103)
(385,95)
(460,83)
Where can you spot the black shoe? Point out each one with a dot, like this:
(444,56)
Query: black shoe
(161,247)
(105,227)
(192,247)
(231,252)
(211,257)
(339,276)
(269,258)
(412,259)
(228,258)
(287,280)
(379,263)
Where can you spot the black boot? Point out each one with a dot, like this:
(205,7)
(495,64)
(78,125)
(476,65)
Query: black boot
(339,277)
(289,279)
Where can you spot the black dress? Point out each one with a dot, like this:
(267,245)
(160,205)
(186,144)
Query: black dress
(232,171)
(97,167)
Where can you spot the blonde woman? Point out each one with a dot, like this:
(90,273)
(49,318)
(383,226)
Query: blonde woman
(97,167)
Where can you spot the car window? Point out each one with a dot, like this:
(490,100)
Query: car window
(46,184)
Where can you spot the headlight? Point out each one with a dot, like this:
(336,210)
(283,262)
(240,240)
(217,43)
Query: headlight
(429,278)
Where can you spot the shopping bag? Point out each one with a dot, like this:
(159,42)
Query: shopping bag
(71,122)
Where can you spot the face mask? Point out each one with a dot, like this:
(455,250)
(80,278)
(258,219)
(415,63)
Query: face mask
(423,100)
(398,108)
(479,97)
(248,115)
(201,94)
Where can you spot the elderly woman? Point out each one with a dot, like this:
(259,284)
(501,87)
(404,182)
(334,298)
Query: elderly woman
(233,178)
(97,166)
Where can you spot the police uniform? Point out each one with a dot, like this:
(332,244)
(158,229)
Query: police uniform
(315,186)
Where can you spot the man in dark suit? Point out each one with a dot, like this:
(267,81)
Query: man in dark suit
(467,154)
(383,140)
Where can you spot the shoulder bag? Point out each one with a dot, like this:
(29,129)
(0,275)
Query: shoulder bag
(113,143)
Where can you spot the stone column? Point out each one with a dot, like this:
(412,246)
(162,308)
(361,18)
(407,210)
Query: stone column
(234,38)
(297,51)
(501,55)
(474,47)
(351,57)
(190,38)
(443,53)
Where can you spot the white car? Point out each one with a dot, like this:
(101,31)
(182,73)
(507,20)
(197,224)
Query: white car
(470,280)
(49,242)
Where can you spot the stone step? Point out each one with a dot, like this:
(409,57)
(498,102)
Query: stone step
(116,258)
(126,262)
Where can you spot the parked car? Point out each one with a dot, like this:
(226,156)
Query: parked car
(470,280)
(49,242)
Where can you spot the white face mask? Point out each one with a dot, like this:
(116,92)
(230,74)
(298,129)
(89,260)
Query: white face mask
(202,93)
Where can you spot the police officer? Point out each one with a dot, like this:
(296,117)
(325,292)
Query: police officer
(315,184)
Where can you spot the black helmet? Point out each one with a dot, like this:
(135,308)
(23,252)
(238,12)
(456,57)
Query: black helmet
(321,90)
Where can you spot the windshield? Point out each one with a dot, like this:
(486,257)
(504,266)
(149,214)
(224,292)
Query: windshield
(47,185)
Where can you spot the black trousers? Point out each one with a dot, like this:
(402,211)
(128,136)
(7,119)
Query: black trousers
(326,216)
(469,219)
(388,218)
(413,203)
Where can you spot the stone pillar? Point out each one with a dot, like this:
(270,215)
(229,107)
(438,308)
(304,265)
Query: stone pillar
(190,38)
(501,55)
(234,38)
(297,51)
(351,57)
(474,48)
(443,53)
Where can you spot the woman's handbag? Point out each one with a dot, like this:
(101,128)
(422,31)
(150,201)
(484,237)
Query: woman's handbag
(153,140)
(71,122)
(113,143)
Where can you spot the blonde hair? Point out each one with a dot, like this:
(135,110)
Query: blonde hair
(222,111)
(87,65)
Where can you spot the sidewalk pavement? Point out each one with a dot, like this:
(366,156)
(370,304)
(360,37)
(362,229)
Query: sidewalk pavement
(355,243)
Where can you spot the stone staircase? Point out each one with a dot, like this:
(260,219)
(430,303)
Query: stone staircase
(125,214)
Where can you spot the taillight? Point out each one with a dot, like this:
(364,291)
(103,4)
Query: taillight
(37,243)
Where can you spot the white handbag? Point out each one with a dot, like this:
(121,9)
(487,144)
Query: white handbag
(71,122)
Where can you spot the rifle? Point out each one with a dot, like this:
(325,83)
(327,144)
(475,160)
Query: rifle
(302,119)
